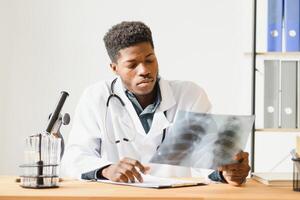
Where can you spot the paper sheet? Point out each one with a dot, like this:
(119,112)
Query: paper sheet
(157,182)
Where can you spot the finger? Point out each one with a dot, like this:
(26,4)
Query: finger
(119,177)
(147,169)
(131,172)
(235,179)
(242,156)
(243,173)
(124,178)
(229,176)
(235,166)
(236,182)
(231,167)
(240,171)
(235,173)
(137,175)
(232,178)
(135,163)
(128,173)
(238,156)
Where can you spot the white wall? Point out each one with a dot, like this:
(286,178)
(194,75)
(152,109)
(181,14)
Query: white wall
(53,45)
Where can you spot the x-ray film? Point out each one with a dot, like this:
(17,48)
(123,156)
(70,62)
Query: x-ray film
(203,140)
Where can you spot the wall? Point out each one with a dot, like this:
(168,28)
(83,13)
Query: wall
(49,46)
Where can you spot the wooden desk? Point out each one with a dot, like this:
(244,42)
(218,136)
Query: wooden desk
(71,189)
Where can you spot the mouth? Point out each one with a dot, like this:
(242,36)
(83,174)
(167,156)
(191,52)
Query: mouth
(146,81)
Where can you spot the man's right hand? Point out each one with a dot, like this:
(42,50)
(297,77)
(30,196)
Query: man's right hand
(126,170)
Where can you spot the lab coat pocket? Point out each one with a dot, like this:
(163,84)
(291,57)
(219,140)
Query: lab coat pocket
(125,130)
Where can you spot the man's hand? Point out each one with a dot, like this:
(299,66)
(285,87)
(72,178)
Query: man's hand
(235,174)
(126,170)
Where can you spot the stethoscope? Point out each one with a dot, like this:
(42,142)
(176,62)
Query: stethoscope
(114,95)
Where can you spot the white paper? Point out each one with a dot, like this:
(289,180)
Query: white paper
(157,182)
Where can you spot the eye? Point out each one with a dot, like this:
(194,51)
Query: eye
(132,66)
(150,61)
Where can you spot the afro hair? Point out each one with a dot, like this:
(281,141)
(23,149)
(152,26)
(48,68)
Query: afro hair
(126,34)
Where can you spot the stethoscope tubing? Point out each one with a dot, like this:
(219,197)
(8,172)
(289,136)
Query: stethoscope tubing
(113,95)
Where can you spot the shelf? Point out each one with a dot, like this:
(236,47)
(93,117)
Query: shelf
(291,53)
(277,129)
(294,53)
(276,55)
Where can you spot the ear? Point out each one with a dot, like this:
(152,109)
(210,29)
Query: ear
(113,67)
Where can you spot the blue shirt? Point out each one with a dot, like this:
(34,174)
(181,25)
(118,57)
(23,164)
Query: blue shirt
(145,115)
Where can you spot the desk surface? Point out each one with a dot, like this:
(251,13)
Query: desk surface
(71,189)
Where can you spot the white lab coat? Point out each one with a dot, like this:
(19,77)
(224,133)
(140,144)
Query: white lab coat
(89,147)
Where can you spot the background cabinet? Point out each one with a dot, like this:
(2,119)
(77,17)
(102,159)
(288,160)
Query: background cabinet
(273,143)
(277,91)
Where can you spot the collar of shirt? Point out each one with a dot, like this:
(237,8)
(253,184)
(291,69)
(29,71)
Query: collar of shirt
(150,109)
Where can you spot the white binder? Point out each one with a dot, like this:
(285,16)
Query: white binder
(271,93)
(288,104)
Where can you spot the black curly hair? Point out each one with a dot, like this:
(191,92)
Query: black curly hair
(126,34)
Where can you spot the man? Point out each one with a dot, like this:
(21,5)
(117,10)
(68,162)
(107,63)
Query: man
(119,124)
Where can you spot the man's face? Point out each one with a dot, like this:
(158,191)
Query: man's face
(137,66)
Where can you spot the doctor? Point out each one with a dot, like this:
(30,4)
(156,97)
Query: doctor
(119,124)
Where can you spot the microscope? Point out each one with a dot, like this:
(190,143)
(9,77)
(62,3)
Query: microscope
(56,119)
(44,151)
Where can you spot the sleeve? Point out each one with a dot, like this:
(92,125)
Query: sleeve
(83,151)
(94,174)
(217,176)
(201,102)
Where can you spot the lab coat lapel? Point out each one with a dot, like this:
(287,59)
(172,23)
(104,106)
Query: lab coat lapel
(160,120)
(134,121)
(159,123)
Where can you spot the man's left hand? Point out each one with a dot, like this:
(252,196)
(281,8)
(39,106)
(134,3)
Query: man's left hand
(235,174)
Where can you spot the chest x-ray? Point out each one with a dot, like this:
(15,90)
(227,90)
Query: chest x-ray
(204,140)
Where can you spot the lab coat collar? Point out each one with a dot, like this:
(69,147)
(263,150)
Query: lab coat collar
(167,96)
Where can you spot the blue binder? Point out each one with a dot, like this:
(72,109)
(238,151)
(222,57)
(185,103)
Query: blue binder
(292,25)
(275,16)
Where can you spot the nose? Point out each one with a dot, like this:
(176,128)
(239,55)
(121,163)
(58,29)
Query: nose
(143,70)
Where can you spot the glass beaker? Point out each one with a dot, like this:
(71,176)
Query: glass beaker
(41,161)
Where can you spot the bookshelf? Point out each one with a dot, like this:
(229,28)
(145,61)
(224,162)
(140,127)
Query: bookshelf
(283,55)
(276,130)
(258,58)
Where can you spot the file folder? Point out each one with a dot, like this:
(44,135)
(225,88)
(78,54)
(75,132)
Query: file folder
(292,25)
(271,93)
(288,94)
(298,96)
(275,16)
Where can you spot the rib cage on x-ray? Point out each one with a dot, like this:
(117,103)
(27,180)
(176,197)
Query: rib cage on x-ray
(203,140)
(227,144)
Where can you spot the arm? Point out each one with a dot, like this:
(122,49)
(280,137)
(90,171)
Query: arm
(126,170)
(85,158)
(83,151)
